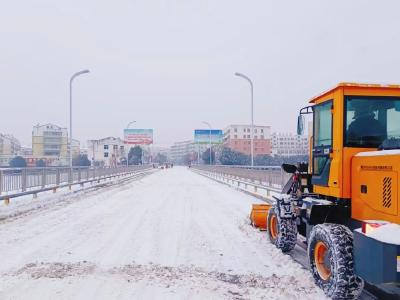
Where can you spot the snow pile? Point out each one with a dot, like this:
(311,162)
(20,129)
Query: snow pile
(389,233)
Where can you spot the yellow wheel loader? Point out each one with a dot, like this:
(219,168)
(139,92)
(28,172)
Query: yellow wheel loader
(345,202)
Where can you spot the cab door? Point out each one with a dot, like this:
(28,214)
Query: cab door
(322,144)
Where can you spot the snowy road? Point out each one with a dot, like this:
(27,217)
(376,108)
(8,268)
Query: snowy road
(171,235)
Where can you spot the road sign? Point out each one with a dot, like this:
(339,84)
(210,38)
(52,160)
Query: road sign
(202,136)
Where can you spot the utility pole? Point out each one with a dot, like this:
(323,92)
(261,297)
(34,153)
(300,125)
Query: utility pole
(70,112)
(252,115)
(209,142)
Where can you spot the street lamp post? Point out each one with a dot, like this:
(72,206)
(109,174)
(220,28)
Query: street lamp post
(70,112)
(209,136)
(127,154)
(252,115)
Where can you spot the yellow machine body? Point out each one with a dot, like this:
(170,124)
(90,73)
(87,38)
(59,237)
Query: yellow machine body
(375,182)
(348,172)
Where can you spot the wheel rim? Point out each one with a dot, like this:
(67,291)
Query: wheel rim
(322,262)
(273,226)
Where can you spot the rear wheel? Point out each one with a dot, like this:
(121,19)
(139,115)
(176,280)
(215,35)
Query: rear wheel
(330,252)
(281,232)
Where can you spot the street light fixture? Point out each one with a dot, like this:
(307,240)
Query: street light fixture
(252,115)
(209,135)
(127,154)
(70,112)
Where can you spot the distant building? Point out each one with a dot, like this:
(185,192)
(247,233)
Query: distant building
(50,142)
(180,151)
(108,151)
(238,138)
(164,150)
(9,148)
(25,151)
(185,151)
(76,148)
(289,144)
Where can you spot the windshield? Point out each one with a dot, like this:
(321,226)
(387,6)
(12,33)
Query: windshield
(372,122)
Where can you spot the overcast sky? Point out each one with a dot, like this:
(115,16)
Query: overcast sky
(169,65)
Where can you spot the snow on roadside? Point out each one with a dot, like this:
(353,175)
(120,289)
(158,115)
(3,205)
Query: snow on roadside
(24,204)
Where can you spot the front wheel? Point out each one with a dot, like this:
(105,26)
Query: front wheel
(330,252)
(281,232)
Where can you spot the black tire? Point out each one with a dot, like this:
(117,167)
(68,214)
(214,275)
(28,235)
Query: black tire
(340,282)
(284,234)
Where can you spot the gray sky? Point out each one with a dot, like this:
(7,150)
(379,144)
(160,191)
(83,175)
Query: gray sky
(169,64)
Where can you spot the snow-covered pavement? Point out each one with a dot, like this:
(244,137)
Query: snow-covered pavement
(171,235)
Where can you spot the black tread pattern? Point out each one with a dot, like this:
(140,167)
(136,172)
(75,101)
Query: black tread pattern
(287,228)
(343,283)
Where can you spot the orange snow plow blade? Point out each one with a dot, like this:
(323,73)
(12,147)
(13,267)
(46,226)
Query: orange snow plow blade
(258,215)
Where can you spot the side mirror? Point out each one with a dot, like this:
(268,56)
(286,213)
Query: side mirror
(300,125)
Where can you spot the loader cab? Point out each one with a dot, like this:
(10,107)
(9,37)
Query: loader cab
(349,119)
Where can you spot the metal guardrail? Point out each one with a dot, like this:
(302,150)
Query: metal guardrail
(269,176)
(258,182)
(21,181)
(243,167)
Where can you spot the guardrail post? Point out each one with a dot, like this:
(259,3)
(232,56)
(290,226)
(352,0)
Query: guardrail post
(58,177)
(43,178)
(79,174)
(70,175)
(23,180)
(70,179)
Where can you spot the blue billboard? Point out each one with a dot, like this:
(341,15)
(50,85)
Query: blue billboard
(202,136)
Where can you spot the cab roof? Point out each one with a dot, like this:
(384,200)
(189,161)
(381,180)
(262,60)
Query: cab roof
(355,85)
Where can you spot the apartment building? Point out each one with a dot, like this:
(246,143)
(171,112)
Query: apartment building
(9,147)
(238,138)
(49,140)
(180,152)
(50,143)
(108,151)
(289,144)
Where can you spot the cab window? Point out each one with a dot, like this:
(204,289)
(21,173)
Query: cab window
(372,122)
(323,124)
